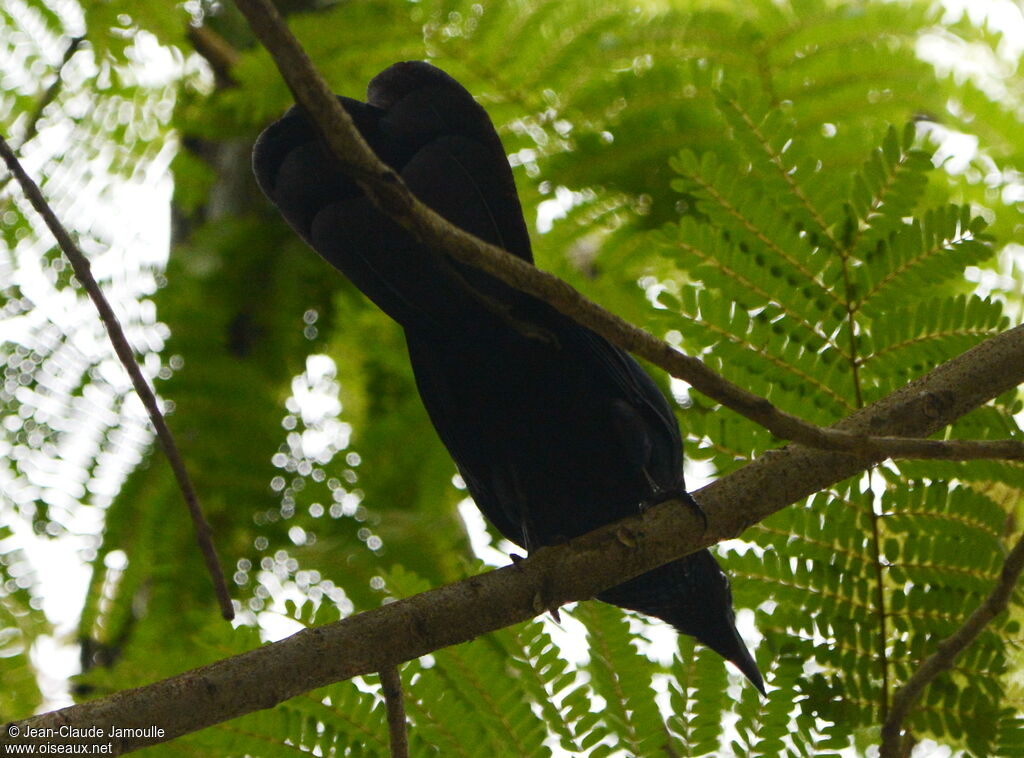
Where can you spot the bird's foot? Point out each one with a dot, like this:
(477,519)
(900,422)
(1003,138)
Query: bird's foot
(694,506)
(541,604)
(682,495)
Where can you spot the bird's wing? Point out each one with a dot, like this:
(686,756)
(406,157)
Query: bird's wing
(436,368)
(643,410)
(431,131)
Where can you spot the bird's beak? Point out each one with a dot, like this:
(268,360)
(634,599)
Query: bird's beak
(745,662)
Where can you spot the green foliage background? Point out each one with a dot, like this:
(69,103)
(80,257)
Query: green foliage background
(756,180)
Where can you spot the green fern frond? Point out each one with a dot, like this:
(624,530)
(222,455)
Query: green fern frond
(929,333)
(20,623)
(723,437)
(748,211)
(552,685)
(441,720)
(697,690)
(622,677)
(757,278)
(787,174)
(337,720)
(759,353)
(1010,738)
(765,727)
(887,189)
(933,249)
(471,682)
(476,674)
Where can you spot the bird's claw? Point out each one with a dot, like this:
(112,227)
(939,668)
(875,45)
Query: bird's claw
(694,506)
(682,495)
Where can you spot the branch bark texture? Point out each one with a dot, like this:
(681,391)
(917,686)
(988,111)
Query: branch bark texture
(551,577)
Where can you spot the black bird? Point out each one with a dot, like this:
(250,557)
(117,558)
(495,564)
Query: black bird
(555,431)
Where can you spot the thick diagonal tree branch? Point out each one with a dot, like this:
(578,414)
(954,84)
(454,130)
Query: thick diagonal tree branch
(578,570)
(389,193)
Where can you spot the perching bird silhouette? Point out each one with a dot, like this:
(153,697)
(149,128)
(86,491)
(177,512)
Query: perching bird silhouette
(554,430)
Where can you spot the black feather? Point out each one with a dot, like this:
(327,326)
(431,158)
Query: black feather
(555,431)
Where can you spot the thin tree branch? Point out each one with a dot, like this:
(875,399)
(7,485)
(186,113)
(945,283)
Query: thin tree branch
(51,93)
(32,128)
(217,51)
(391,684)
(550,577)
(948,650)
(389,193)
(126,354)
(951,450)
